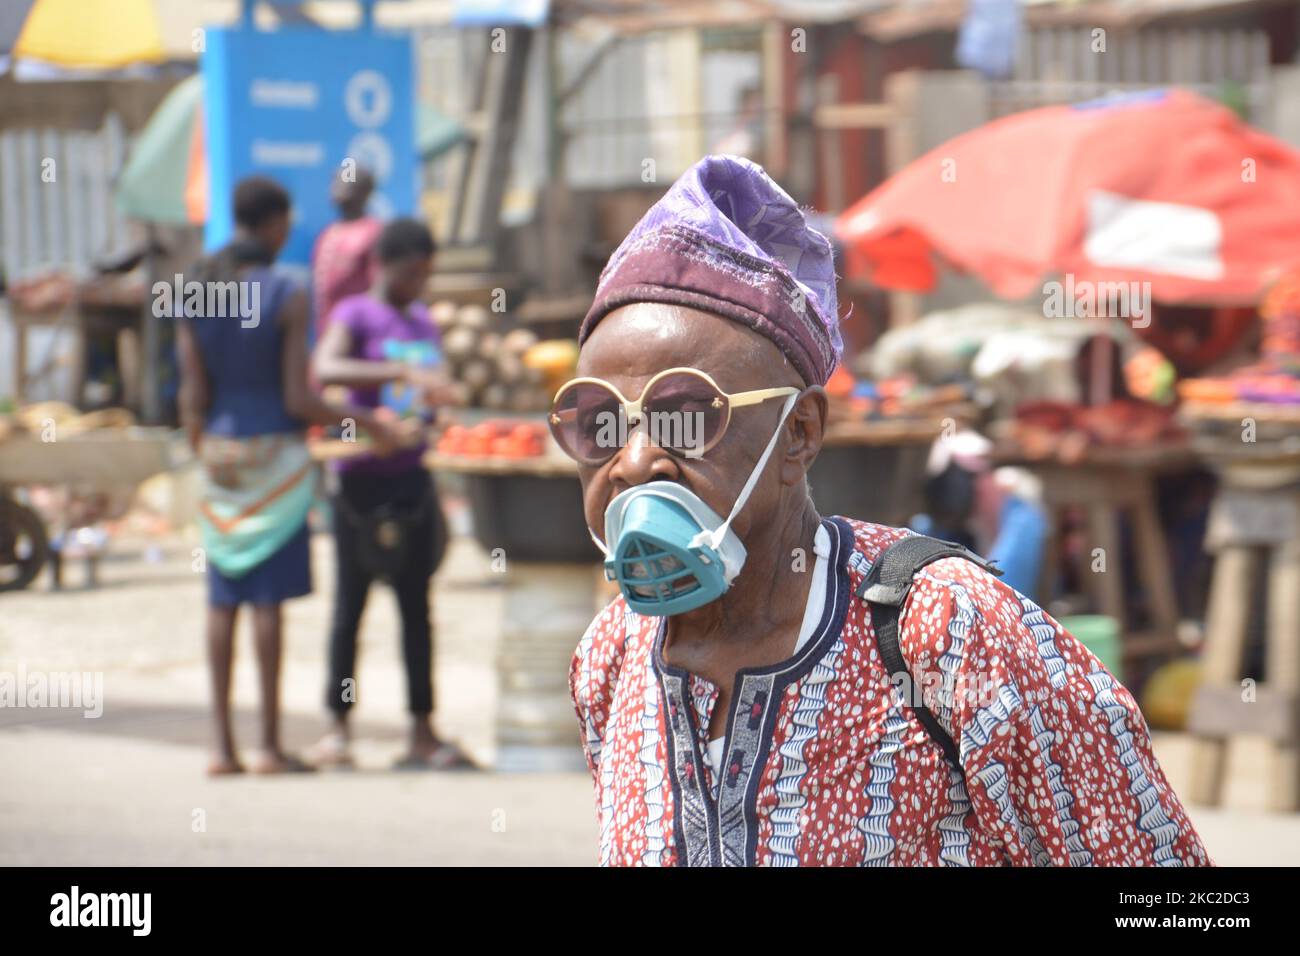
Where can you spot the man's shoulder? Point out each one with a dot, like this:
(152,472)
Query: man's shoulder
(615,632)
(951,593)
(956,607)
(869,542)
(600,655)
(866,542)
(608,632)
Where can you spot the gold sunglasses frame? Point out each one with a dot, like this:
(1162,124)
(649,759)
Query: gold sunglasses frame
(632,410)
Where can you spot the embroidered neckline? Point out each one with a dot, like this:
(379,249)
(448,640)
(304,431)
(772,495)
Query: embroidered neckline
(724,831)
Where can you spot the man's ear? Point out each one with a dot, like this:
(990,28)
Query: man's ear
(807,429)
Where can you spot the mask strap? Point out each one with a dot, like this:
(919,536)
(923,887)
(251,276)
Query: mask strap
(715,539)
(595,540)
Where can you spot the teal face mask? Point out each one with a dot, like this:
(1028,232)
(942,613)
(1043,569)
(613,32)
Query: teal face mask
(669,551)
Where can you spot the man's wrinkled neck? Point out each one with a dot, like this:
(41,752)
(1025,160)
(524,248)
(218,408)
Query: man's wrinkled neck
(771,589)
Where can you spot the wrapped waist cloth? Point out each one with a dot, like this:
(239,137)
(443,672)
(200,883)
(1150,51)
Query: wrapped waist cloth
(255,496)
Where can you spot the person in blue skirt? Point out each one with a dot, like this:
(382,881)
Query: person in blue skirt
(245,403)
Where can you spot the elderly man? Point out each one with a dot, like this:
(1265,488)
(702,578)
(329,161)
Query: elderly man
(777,688)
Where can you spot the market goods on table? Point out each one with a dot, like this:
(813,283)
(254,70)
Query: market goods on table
(1011,356)
(79,470)
(503,438)
(64,419)
(499,369)
(1067,432)
(100,457)
(1275,379)
(47,292)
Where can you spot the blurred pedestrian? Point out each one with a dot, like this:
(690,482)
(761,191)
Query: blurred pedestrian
(343,261)
(245,403)
(388,523)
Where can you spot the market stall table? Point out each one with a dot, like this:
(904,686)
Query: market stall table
(104,307)
(1108,484)
(1254,530)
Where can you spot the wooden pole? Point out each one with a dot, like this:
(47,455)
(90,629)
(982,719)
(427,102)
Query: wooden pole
(775,158)
(151,404)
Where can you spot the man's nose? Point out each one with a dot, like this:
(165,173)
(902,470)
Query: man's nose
(640,460)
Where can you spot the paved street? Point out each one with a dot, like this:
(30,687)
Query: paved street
(129,788)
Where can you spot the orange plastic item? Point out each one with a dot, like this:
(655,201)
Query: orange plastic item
(1216,390)
(841,383)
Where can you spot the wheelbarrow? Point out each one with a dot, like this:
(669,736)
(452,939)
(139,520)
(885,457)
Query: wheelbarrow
(104,460)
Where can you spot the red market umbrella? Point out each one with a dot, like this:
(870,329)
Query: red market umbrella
(1165,187)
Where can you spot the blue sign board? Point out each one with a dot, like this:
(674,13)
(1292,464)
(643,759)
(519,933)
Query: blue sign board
(297,104)
(495,13)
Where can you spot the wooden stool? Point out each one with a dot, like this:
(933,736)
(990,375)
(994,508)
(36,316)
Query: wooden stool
(1106,491)
(1252,531)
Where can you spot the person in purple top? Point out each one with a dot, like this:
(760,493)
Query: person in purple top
(387,520)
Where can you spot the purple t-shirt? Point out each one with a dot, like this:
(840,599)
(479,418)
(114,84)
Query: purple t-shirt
(375,328)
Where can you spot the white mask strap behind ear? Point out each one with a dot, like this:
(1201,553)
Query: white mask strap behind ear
(715,538)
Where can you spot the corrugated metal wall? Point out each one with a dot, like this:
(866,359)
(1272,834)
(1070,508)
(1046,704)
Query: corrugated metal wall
(69,221)
(448,63)
(664,96)
(1063,65)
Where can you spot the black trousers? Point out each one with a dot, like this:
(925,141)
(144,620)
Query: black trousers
(363,493)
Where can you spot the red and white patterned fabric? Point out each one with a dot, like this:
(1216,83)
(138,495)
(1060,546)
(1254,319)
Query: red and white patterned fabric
(343,263)
(825,764)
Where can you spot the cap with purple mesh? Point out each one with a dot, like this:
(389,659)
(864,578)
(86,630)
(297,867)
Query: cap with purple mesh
(726,239)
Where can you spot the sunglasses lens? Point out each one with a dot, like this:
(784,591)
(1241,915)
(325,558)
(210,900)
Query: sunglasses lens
(584,421)
(684,413)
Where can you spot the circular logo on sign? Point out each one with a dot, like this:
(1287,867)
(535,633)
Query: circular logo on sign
(372,152)
(368,99)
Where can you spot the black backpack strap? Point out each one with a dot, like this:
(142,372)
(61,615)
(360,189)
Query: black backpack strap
(885,589)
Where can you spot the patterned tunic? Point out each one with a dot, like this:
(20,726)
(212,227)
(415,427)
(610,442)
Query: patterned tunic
(826,764)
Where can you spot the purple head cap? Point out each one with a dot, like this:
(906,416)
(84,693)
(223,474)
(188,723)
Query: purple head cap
(726,239)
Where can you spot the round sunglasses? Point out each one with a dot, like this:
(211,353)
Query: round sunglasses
(683,410)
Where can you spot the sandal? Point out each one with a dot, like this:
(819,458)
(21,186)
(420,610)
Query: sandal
(277,763)
(331,752)
(447,757)
(224,767)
